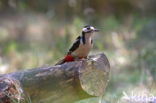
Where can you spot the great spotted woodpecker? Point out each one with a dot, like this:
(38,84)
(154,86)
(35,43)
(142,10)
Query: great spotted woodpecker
(81,47)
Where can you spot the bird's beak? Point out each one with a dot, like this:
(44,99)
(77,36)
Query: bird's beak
(96,30)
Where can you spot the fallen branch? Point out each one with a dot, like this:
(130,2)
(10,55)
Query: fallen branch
(64,83)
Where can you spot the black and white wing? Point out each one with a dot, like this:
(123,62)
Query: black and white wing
(75,45)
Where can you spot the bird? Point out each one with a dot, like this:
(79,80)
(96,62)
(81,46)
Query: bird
(81,47)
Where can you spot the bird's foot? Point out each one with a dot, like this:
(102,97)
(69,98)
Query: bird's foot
(80,59)
(89,59)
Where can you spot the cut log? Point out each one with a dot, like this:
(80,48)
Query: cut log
(64,83)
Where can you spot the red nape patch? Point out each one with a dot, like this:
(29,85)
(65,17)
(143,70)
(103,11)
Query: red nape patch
(68,58)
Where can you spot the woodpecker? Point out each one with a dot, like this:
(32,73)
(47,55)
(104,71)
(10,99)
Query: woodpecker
(81,47)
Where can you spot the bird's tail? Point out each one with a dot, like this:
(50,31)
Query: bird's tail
(67,58)
(60,62)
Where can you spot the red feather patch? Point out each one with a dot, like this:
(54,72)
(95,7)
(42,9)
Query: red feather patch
(68,58)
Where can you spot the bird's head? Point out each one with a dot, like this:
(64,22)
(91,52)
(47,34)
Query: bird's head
(89,29)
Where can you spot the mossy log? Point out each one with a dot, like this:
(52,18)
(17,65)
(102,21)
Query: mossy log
(64,83)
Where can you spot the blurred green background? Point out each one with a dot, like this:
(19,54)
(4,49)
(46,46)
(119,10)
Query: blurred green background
(36,33)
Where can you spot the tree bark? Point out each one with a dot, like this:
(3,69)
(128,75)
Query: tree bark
(64,83)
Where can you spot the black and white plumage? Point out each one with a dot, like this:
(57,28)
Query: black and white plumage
(75,44)
(82,45)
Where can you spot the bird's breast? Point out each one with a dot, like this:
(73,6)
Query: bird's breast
(83,50)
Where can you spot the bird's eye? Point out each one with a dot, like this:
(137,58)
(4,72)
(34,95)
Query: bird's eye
(88,28)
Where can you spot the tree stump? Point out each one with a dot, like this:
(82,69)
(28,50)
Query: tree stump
(64,83)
